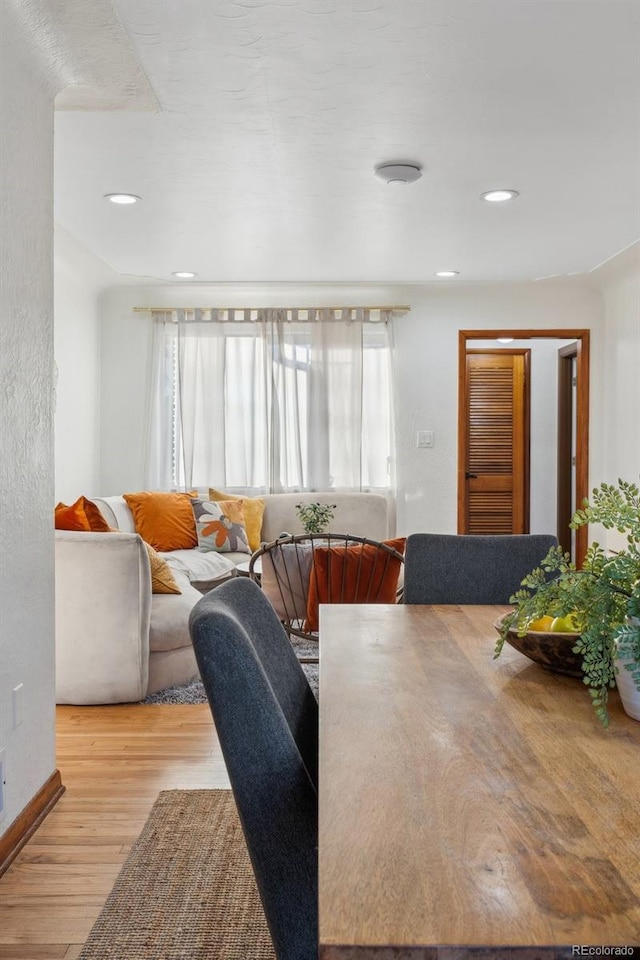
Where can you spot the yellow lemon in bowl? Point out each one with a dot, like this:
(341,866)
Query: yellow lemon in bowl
(541,625)
(566,624)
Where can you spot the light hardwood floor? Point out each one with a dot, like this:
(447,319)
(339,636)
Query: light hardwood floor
(114,761)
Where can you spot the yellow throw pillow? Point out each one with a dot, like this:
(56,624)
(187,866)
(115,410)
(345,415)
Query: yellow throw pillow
(162,580)
(253,510)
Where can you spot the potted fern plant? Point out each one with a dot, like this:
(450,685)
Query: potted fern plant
(602,597)
(315,517)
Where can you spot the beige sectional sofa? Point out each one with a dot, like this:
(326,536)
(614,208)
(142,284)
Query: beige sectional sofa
(116,641)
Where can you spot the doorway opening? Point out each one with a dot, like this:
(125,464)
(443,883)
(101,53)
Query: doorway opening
(576,449)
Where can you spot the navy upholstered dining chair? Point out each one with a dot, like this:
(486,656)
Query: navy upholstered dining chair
(466,569)
(266,717)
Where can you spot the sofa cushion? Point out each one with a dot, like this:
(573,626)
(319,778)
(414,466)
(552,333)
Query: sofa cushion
(165,520)
(116,512)
(200,567)
(169,626)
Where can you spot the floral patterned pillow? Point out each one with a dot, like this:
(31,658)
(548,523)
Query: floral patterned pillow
(220,526)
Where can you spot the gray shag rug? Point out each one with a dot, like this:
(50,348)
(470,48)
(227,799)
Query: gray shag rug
(194,692)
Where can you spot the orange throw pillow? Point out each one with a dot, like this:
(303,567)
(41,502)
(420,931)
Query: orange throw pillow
(165,520)
(359,573)
(81,515)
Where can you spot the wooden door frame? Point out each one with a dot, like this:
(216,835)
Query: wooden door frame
(582,338)
(566,356)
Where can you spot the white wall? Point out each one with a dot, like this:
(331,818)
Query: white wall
(26,419)
(426,342)
(427,378)
(619,281)
(79,278)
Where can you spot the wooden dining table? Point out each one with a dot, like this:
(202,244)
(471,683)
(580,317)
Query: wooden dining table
(467,802)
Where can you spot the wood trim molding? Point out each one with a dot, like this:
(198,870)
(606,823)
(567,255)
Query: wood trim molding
(27,822)
(462,427)
(582,336)
(566,412)
(582,448)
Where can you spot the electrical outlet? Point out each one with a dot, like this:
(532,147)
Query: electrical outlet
(2,785)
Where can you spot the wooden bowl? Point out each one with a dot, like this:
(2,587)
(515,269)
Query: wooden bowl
(552,651)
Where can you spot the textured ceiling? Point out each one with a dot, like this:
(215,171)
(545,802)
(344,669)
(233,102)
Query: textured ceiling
(257,162)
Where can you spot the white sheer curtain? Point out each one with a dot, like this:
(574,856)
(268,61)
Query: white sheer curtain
(271,400)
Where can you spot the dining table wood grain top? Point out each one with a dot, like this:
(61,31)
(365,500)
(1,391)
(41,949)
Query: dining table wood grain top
(467,802)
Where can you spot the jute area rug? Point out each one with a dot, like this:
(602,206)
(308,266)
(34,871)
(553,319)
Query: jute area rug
(186,890)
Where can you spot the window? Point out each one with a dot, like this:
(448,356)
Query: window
(271,403)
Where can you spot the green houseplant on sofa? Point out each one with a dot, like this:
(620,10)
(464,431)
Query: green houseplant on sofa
(315,517)
(603,596)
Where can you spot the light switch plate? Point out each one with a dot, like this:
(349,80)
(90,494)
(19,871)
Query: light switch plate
(424,438)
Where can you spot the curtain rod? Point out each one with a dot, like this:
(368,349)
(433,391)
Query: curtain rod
(397,309)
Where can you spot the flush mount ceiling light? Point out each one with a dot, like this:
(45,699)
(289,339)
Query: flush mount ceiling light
(505,339)
(122,198)
(398,172)
(183,274)
(499,196)
(448,273)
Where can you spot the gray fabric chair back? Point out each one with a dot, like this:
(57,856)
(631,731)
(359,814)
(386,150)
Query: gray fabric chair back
(449,568)
(266,717)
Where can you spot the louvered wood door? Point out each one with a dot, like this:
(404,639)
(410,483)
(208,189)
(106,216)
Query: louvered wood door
(494,448)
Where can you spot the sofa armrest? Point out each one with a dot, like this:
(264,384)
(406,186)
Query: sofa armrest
(103,605)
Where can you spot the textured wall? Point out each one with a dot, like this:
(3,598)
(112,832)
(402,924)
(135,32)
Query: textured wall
(621,289)
(79,278)
(26,456)
(76,49)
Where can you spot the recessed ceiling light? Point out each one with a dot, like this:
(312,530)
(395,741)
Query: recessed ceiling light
(398,172)
(183,274)
(505,339)
(122,198)
(448,273)
(499,196)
